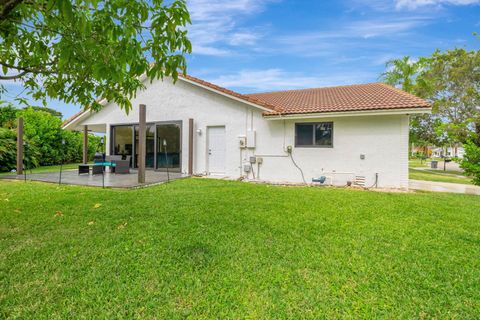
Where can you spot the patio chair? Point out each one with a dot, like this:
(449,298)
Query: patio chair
(123,166)
(113,158)
(97,169)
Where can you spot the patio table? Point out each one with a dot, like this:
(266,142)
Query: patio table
(85,168)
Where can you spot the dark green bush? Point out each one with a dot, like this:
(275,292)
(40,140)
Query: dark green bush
(44,135)
(7,150)
(471,162)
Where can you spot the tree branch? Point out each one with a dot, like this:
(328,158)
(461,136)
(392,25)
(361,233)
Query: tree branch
(7,7)
(31,69)
(17,76)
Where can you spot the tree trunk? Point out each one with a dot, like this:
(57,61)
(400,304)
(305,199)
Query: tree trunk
(7,7)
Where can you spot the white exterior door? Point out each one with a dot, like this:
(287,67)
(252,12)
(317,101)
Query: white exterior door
(216,150)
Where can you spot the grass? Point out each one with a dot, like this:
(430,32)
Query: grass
(68,166)
(436,176)
(420,171)
(204,249)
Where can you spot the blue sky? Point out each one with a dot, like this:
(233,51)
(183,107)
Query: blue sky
(265,45)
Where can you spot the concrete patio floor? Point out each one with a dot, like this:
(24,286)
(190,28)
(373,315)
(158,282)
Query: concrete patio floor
(110,179)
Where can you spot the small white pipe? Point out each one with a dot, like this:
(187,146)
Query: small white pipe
(271,155)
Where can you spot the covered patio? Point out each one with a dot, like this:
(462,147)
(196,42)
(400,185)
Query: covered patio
(110,180)
(132,155)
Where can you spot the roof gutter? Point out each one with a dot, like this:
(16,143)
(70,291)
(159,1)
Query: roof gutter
(348,114)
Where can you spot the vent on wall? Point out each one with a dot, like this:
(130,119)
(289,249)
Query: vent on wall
(359,181)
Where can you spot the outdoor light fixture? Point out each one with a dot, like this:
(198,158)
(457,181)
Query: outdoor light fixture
(199,132)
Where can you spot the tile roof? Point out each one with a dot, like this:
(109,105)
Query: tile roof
(361,97)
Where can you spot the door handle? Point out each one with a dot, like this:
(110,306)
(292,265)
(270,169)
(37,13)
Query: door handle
(209,151)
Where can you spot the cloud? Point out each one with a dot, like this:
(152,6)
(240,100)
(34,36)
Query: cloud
(402,5)
(414,4)
(372,37)
(244,38)
(385,28)
(211,51)
(216,25)
(278,79)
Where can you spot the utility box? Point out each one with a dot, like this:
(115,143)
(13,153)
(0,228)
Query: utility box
(251,136)
(242,142)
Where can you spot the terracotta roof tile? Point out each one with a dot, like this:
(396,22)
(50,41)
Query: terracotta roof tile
(373,96)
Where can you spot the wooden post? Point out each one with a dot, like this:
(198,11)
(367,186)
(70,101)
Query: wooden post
(85,144)
(142,133)
(190,147)
(20,146)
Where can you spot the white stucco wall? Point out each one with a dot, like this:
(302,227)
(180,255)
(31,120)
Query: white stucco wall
(382,139)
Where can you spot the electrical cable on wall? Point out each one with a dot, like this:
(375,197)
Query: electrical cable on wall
(296,165)
(375,184)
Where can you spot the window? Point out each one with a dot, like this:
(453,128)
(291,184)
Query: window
(319,134)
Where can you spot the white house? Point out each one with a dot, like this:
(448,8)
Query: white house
(455,152)
(348,133)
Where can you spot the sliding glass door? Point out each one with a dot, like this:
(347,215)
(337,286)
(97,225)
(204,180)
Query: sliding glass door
(163,144)
(122,141)
(150,146)
(169,146)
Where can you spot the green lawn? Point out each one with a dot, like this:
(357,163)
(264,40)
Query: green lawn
(199,248)
(68,166)
(438,176)
(420,171)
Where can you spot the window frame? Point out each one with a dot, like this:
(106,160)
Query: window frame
(314,135)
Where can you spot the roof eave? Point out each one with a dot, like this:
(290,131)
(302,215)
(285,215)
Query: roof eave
(355,113)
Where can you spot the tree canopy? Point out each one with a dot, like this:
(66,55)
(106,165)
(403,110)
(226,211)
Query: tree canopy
(402,73)
(450,80)
(452,83)
(79,50)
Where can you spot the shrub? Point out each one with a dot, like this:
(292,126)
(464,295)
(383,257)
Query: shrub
(7,150)
(44,135)
(8,115)
(471,161)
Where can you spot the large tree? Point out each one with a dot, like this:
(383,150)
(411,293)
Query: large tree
(78,50)
(453,79)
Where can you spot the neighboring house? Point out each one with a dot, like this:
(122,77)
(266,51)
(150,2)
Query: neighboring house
(339,132)
(425,150)
(452,152)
